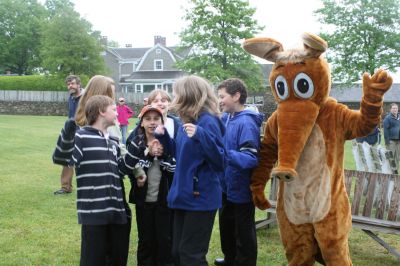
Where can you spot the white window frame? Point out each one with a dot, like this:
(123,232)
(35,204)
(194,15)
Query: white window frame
(155,64)
(158,51)
(139,88)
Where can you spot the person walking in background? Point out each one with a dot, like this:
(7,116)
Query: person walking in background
(149,191)
(74,89)
(124,113)
(195,194)
(242,143)
(101,205)
(391,131)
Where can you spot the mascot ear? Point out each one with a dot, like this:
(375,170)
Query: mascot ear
(313,44)
(265,48)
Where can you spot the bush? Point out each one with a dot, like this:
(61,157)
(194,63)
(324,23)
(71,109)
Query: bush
(35,83)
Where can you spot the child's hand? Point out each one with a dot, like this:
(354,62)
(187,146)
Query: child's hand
(160,130)
(141,180)
(190,129)
(155,148)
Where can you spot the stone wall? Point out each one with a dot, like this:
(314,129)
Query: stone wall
(33,108)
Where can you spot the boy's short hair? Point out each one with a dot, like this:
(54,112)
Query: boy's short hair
(73,77)
(95,105)
(234,85)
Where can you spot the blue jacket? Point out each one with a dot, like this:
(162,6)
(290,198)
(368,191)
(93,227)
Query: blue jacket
(199,165)
(372,138)
(242,143)
(391,128)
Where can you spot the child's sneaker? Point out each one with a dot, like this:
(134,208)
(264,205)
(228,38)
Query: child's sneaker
(61,192)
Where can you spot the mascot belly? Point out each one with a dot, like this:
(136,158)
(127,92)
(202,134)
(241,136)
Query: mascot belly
(303,147)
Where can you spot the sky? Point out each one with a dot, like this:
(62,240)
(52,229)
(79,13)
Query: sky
(136,22)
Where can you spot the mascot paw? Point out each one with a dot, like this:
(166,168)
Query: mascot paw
(374,87)
(260,201)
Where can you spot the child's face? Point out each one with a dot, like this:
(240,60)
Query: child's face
(227,102)
(110,115)
(150,121)
(161,102)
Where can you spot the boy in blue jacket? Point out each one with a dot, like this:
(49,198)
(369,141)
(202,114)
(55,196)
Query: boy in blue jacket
(242,142)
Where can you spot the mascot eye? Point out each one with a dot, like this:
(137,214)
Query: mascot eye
(281,87)
(303,86)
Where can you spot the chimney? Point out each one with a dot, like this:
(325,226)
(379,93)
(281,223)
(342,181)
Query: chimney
(160,40)
(104,41)
(128,45)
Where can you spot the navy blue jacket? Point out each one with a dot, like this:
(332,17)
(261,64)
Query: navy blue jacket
(99,173)
(137,154)
(242,143)
(199,165)
(372,138)
(391,128)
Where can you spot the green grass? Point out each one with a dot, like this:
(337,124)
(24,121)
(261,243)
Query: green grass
(38,228)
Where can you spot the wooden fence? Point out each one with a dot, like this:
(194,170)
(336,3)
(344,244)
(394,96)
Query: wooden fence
(58,96)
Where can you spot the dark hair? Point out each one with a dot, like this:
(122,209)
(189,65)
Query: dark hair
(73,77)
(234,85)
(95,105)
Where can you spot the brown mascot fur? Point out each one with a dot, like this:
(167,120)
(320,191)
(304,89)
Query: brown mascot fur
(303,146)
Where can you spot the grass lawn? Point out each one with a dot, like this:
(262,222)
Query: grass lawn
(38,228)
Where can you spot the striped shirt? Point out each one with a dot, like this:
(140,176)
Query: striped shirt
(100,195)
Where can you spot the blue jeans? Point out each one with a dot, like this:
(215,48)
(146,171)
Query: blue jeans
(123,132)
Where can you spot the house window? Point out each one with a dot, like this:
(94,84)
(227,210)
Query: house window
(159,86)
(158,64)
(139,88)
(158,51)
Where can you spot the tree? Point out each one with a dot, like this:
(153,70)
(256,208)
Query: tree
(365,35)
(69,44)
(216,29)
(20,34)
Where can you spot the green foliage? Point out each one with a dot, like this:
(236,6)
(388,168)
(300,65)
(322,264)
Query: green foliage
(35,83)
(20,34)
(69,44)
(215,31)
(363,35)
(38,228)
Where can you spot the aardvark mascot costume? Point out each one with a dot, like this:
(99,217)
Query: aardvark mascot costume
(303,147)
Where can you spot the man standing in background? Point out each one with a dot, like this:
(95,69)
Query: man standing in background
(391,132)
(75,92)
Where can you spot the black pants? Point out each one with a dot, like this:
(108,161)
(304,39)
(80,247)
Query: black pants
(105,244)
(238,233)
(154,224)
(191,237)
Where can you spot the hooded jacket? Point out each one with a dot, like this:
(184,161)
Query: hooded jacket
(242,143)
(199,165)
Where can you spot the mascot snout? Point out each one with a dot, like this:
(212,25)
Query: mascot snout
(293,125)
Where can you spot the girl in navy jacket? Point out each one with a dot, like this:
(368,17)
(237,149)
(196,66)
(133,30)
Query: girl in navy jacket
(195,194)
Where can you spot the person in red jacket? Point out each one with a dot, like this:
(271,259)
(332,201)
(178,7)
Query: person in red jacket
(124,113)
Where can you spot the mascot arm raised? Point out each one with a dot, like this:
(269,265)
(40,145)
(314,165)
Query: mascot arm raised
(361,123)
(268,158)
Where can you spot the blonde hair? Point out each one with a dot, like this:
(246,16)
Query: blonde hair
(95,105)
(97,85)
(153,94)
(194,95)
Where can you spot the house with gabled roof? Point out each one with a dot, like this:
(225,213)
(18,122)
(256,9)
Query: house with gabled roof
(141,70)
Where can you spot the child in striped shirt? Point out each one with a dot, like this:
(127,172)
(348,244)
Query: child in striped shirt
(101,205)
